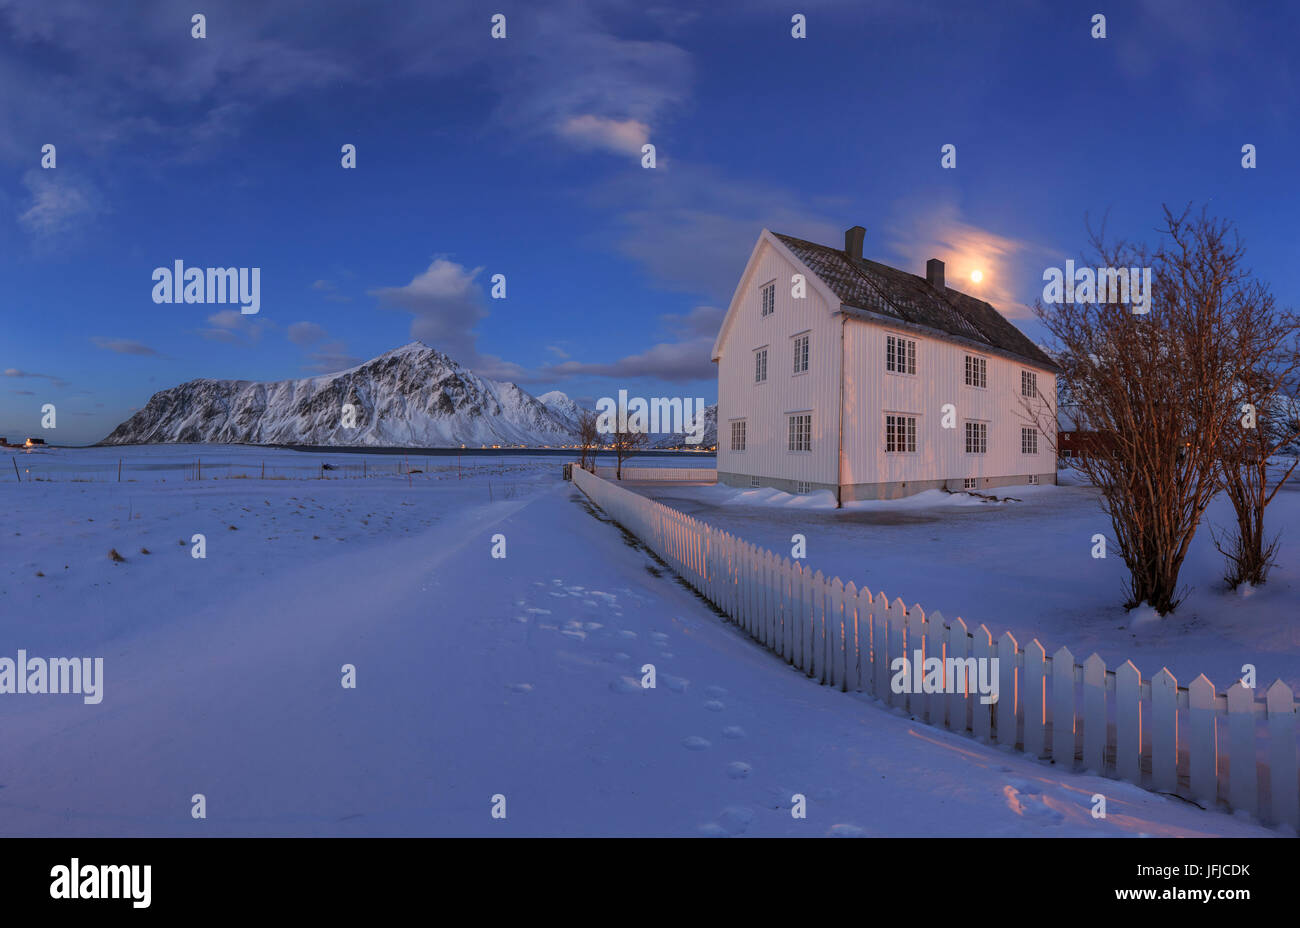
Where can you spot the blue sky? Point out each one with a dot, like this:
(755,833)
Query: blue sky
(521,156)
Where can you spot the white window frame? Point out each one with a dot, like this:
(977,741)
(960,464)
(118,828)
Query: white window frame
(743,430)
(804,434)
(754,482)
(1028,383)
(896,345)
(977,371)
(1028,440)
(902,419)
(969,483)
(767,299)
(806,339)
(980,434)
(1033,480)
(763,352)
(802,487)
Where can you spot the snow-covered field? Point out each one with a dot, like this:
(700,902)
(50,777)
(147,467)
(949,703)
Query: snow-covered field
(476,676)
(1027,567)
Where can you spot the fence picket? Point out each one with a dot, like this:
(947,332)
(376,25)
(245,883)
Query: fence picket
(897,648)
(1033,698)
(849,681)
(1164,731)
(1128,723)
(1007,696)
(935,631)
(1202,741)
(1282,753)
(1063,708)
(959,649)
(866,679)
(1094,714)
(1243,770)
(915,643)
(981,712)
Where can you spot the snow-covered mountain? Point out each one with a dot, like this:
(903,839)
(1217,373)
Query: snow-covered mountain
(414,395)
(563,408)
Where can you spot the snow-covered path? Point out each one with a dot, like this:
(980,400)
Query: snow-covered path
(519,676)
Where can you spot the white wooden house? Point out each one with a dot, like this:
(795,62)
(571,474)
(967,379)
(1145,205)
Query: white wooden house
(871,382)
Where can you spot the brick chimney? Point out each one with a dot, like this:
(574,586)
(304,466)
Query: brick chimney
(853,242)
(934,273)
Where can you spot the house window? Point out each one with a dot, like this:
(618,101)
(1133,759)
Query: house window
(969,483)
(977,437)
(801,353)
(900,434)
(768,298)
(977,371)
(1033,480)
(900,354)
(1029,441)
(753,481)
(802,486)
(737,434)
(1028,383)
(760,366)
(801,431)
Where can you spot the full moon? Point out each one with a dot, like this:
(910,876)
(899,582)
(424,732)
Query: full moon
(977,276)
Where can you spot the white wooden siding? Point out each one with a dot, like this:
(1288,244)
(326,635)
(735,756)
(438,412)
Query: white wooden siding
(870,391)
(766,406)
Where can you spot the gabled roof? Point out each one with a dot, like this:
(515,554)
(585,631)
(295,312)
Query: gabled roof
(887,291)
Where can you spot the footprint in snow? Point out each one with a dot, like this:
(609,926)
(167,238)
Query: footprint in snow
(694,742)
(521,687)
(738,769)
(536,611)
(733,731)
(627,685)
(676,684)
(736,819)
(714,705)
(1030,804)
(625,633)
(714,691)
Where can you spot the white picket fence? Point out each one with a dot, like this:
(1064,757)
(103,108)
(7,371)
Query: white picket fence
(1203,745)
(678,474)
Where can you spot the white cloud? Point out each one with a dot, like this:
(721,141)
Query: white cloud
(58,205)
(621,136)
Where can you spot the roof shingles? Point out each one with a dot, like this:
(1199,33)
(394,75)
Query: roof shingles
(885,290)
